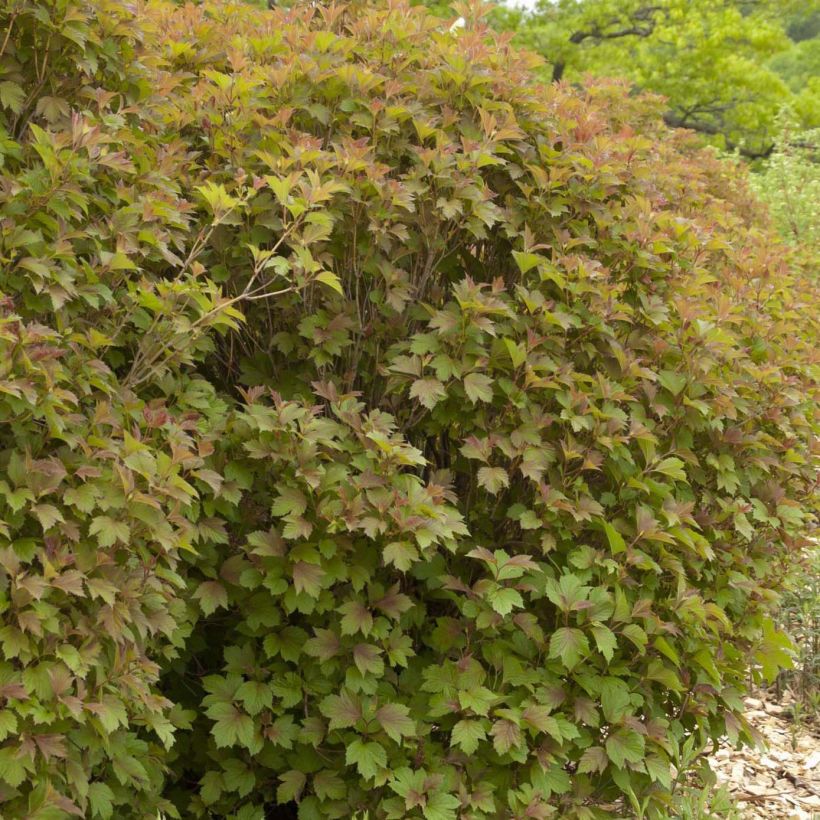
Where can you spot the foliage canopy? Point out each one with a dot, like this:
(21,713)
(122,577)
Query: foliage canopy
(726,67)
(379,429)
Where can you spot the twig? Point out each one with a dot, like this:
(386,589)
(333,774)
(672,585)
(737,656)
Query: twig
(750,796)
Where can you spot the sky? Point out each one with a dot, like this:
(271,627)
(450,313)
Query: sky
(521,4)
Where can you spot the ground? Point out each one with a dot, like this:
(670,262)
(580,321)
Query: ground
(782,778)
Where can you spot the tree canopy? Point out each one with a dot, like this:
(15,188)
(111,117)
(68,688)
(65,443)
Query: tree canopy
(726,67)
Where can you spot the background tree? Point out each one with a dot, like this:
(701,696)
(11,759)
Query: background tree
(790,185)
(726,67)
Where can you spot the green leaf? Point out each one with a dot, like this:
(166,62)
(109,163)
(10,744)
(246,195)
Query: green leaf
(291,786)
(467,734)
(70,656)
(664,647)
(308,578)
(428,391)
(477,698)
(120,261)
(368,659)
(615,539)
(605,640)
(218,199)
(506,736)
(526,261)
(12,769)
(703,658)
(290,501)
(659,770)
(594,759)
(539,718)
(478,387)
(84,497)
(324,646)
(356,617)
(636,635)
(231,726)
(210,787)
(101,800)
(570,645)
(568,593)
(625,746)
(211,595)
(493,479)
(552,780)
(329,786)
(330,279)
(8,724)
(673,382)
(238,777)
(402,554)
(255,696)
(109,531)
(504,599)
(48,515)
(774,654)
(343,710)
(660,672)
(615,699)
(369,758)
(744,526)
(672,467)
(395,719)
(517,352)
(441,806)
(110,712)
(12,96)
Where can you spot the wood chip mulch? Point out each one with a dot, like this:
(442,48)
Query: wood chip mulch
(782,779)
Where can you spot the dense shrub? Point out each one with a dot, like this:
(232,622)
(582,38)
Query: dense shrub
(380,430)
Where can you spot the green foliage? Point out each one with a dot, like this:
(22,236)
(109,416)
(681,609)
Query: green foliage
(799,66)
(379,430)
(790,186)
(726,68)
(799,615)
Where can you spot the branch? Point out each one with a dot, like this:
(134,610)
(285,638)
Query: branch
(674,121)
(645,15)
(637,31)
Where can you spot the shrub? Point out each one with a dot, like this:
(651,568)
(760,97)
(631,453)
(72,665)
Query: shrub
(790,186)
(382,431)
(799,615)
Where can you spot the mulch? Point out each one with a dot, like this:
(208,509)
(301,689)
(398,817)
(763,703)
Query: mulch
(781,778)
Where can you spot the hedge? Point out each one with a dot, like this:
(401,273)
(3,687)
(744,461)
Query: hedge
(380,431)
